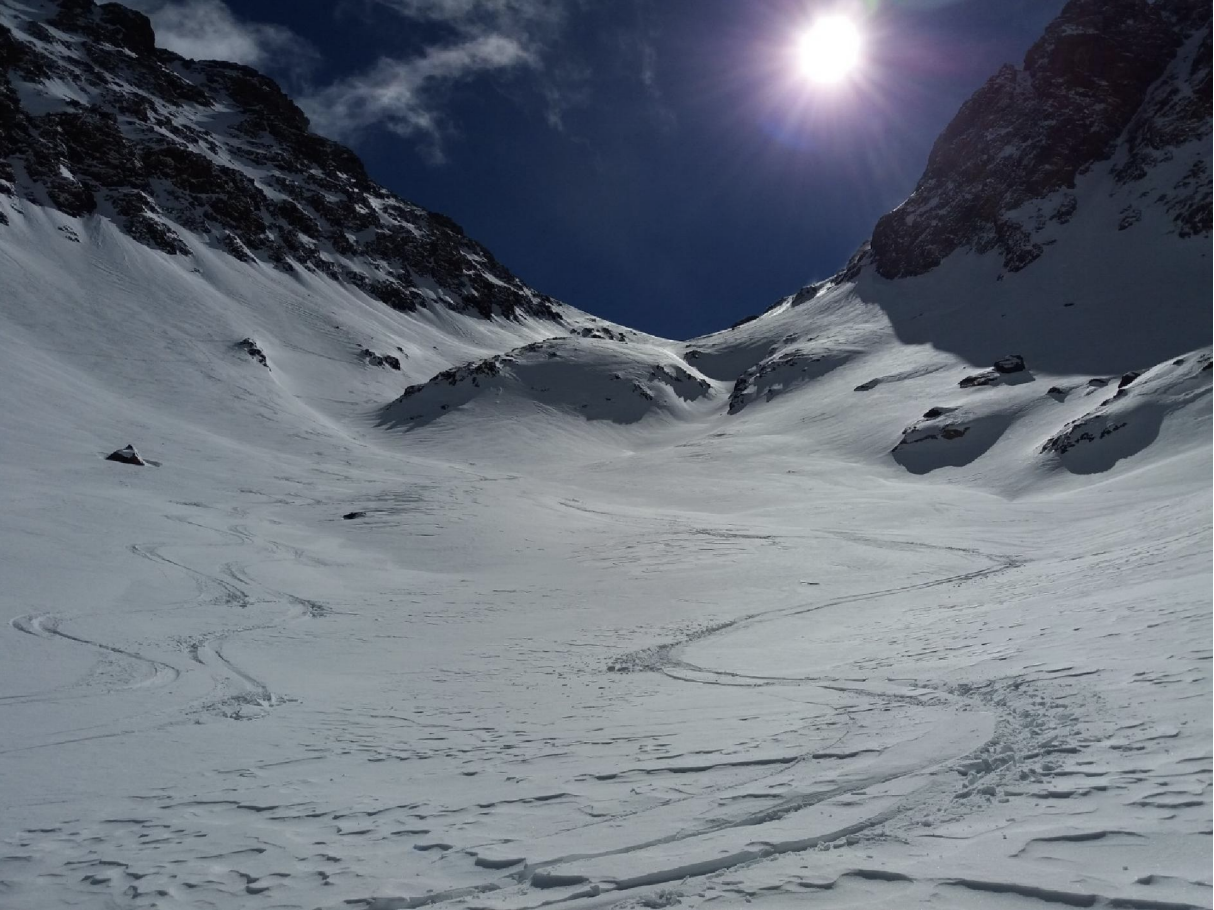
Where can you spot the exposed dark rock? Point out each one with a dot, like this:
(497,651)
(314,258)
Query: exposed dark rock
(250,347)
(989,377)
(1006,366)
(1013,363)
(1128,378)
(1104,69)
(127,455)
(780,373)
(601,332)
(380,360)
(130,151)
(867,386)
(1080,432)
(350,516)
(933,413)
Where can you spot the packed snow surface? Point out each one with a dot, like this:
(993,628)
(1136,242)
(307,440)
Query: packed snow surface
(574,632)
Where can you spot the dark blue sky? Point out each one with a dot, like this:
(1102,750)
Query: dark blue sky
(655,162)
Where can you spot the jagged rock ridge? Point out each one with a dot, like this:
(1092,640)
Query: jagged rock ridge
(1121,81)
(95,119)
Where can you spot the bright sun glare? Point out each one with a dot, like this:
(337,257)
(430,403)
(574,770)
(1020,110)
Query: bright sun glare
(830,50)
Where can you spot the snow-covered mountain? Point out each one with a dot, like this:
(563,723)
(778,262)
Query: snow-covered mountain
(99,120)
(1118,88)
(432,590)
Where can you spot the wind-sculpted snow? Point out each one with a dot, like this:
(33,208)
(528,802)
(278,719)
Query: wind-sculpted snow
(594,378)
(946,437)
(1129,421)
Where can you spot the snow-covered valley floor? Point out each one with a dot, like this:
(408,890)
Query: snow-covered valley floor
(702,664)
(898,696)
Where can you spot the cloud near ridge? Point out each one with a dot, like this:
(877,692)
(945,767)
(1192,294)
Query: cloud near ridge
(405,95)
(207,30)
(409,94)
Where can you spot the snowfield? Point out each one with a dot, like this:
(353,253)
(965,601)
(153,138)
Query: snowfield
(587,640)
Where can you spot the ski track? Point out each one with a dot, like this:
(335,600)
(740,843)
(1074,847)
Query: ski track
(118,862)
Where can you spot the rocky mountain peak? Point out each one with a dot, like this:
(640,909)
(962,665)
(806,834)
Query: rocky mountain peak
(96,120)
(1120,81)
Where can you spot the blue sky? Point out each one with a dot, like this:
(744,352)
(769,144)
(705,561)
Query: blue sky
(660,163)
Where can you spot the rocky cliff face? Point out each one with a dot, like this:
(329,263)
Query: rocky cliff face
(1119,85)
(95,119)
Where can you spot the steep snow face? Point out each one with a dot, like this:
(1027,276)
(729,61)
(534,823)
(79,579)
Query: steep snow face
(180,154)
(1113,87)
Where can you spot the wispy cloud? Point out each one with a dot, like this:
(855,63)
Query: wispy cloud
(641,44)
(470,38)
(410,92)
(406,95)
(208,30)
(531,22)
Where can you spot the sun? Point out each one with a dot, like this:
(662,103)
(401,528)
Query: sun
(830,50)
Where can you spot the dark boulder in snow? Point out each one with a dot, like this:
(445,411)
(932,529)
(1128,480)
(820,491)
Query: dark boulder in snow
(127,455)
(987,377)
(1013,363)
(1010,366)
(933,413)
(380,360)
(350,516)
(250,347)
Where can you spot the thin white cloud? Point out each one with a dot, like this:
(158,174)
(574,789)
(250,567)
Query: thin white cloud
(474,38)
(406,95)
(530,22)
(207,30)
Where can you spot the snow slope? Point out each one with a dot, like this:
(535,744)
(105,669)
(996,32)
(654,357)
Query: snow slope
(692,657)
(799,614)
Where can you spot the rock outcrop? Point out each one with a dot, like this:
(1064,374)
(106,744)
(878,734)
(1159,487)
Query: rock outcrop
(95,120)
(127,455)
(1125,82)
